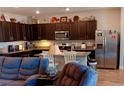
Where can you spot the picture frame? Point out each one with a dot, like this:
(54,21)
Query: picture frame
(63,19)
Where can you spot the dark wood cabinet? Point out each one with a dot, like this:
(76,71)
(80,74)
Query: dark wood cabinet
(1,32)
(6,31)
(78,31)
(50,31)
(74,31)
(62,26)
(91,28)
(82,30)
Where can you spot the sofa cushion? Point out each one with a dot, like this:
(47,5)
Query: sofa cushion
(1,62)
(29,66)
(4,82)
(10,68)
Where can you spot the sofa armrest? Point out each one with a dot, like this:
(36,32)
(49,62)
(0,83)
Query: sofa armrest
(90,78)
(32,80)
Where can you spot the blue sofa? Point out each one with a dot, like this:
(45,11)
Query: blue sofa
(17,71)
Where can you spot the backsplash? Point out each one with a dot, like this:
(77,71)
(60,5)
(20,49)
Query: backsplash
(45,43)
(41,43)
(4,45)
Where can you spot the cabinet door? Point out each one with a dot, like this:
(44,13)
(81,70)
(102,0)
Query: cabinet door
(74,31)
(50,31)
(82,28)
(34,32)
(91,28)
(63,26)
(25,33)
(39,29)
(6,27)
(1,33)
(14,32)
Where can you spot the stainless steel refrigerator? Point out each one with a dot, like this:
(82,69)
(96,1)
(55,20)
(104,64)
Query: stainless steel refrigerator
(107,49)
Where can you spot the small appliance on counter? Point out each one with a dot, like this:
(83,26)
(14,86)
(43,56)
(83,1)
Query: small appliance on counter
(10,48)
(16,47)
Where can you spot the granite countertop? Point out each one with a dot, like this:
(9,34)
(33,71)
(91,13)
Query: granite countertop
(62,54)
(83,49)
(45,49)
(14,52)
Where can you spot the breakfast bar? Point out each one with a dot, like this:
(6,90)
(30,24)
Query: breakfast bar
(59,58)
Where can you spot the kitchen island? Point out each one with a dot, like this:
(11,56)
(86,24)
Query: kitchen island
(59,58)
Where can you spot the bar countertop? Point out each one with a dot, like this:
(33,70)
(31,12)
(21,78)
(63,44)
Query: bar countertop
(62,54)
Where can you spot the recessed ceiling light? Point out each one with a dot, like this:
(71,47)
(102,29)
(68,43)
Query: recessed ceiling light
(37,12)
(67,9)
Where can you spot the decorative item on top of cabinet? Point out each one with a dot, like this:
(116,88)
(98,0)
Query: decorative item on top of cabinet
(2,18)
(54,20)
(13,20)
(63,19)
(76,18)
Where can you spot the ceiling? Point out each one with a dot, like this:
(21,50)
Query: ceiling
(30,11)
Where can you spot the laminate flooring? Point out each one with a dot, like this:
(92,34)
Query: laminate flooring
(110,77)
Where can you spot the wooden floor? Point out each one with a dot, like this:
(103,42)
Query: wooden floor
(110,77)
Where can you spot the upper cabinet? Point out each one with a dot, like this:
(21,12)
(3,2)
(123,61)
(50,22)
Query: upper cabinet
(50,31)
(62,26)
(74,31)
(82,30)
(91,28)
(13,31)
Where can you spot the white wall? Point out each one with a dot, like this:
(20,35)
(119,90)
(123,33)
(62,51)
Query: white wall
(20,18)
(106,18)
(122,40)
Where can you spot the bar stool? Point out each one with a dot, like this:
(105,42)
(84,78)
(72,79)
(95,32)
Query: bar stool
(70,57)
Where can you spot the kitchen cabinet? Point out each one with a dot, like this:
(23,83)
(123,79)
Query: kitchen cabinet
(1,33)
(42,34)
(40,30)
(13,31)
(91,28)
(62,27)
(74,31)
(6,31)
(24,31)
(34,32)
(82,29)
(50,31)
(78,31)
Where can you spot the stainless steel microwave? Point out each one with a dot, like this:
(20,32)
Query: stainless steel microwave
(61,35)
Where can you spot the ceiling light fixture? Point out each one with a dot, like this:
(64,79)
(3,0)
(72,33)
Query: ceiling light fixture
(67,9)
(37,12)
